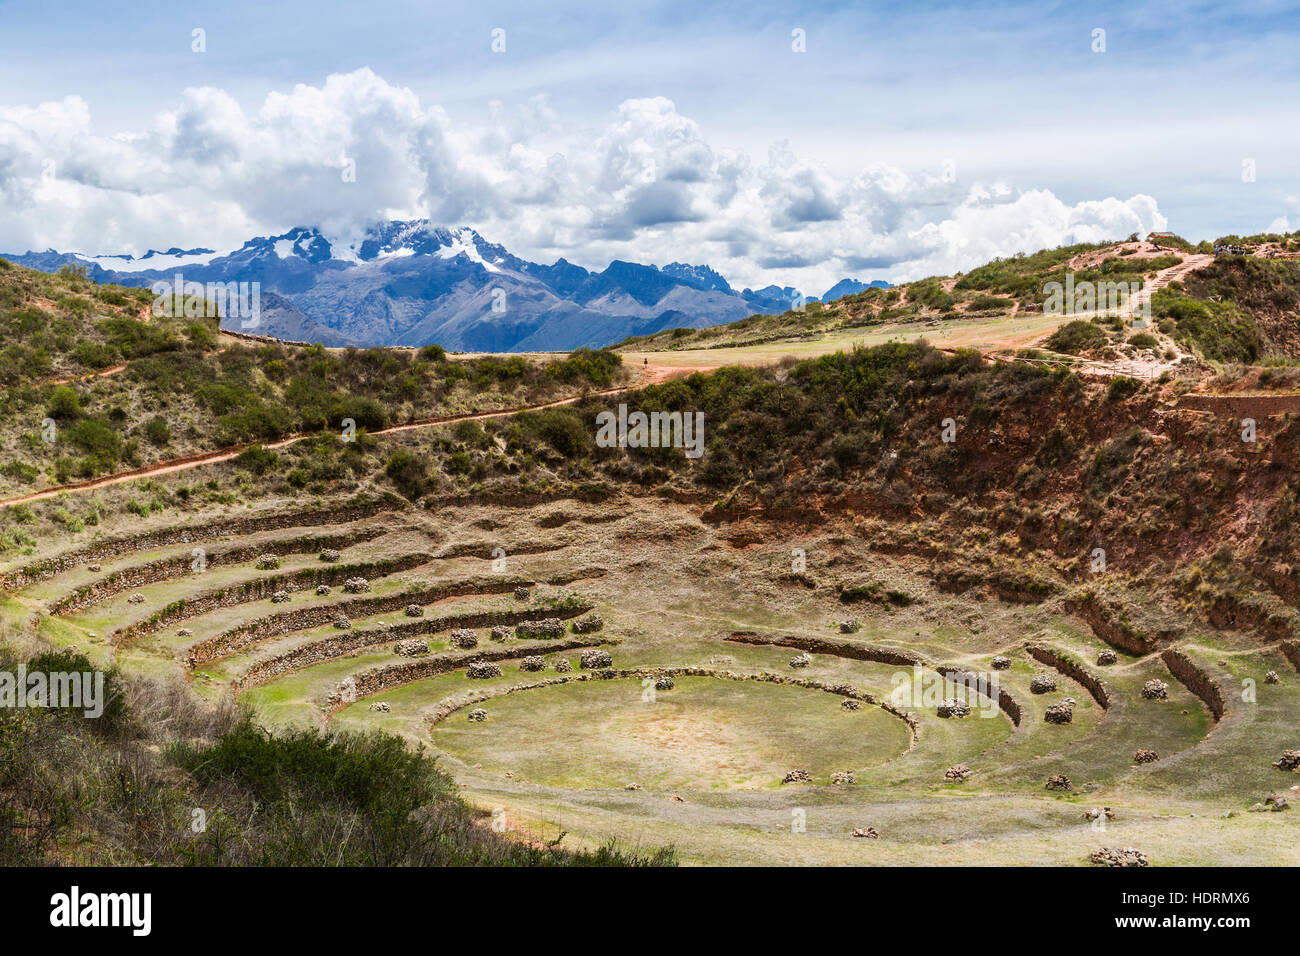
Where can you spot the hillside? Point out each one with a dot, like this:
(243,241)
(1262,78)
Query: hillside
(672,650)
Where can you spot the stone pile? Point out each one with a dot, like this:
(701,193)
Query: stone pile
(500,632)
(330,554)
(1145,756)
(588,625)
(523,593)
(867,833)
(280,597)
(415,647)
(322,589)
(546,627)
(848,703)
(267,562)
(478,715)
(1107,657)
(801,660)
(1272,678)
(136,599)
(797,776)
(842,776)
(665,682)
(1118,856)
(1274,802)
(1290,761)
(849,627)
(1155,690)
(96,568)
(482,670)
(464,637)
(1097,813)
(595,659)
(184,632)
(1042,684)
(342,623)
(1001,663)
(1059,782)
(356,585)
(959,772)
(414,610)
(633,786)
(381,706)
(1059,714)
(953,708)
(563,667)
(533,663)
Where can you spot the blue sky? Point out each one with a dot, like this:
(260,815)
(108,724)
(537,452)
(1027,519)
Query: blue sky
(1009,98)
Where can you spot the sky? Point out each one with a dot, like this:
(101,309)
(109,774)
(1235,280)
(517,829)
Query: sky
(780,143)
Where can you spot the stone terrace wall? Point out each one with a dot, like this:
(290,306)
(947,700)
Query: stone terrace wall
(128,579)
(817,645)
(1072,669)
(1196,680)
(113,547)
(305,618)
(250,591)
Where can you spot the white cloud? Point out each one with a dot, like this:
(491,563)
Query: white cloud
(648,186)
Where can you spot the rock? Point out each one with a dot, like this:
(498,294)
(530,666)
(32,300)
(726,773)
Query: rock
(415,647)
(1001,663)
(633,786)
(280,597)
(478,715)
(1155,690)
(1059,714)
(1146,756)
(797,776)
(414,610)
(1272,678)
(356,585)
(499,633)
(322,589)
(464,637)
(523,593)
(588,625)
(842,776)
(1059,782)
(1042,684)
(867,833)
(563,667)
(801,660)
(184,632)
(342,623)
(594,659)
(329,554)
(1290,761)
(1277,801)
(267,562)
(848,703)
(533,663)
(1118,856)
(1107,657)
(849,627)
(959,772)
(546,627)
(381,706)
(136,599)
(953,708)
(96,568)
(665,682)
(1097,813)
(482,670)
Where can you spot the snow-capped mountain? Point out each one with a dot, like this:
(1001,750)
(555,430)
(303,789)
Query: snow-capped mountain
(413,283)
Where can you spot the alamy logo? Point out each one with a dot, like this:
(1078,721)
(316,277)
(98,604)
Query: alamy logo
(74,908)
(652,430)
(75,690)
(1090,298)
(230,300)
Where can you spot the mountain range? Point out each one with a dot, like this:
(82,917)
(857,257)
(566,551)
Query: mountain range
(412,283)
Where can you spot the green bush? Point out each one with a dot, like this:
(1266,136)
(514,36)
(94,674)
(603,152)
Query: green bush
(1077,337)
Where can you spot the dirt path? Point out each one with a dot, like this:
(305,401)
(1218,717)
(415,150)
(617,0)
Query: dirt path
(648,377)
